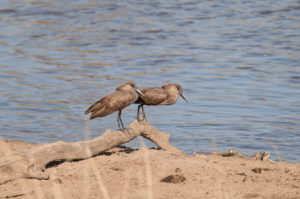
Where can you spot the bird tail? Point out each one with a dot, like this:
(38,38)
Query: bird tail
(96,105)
(89,109)
(93,115)
(99,111)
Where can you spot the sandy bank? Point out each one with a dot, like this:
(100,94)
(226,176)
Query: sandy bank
(151,173)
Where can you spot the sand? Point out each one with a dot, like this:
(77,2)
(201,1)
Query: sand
(151,173)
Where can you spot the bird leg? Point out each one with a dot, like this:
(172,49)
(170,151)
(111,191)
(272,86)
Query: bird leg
(138,113)
(144,115)
(120,121)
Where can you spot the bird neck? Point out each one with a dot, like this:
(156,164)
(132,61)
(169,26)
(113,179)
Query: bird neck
(172,98)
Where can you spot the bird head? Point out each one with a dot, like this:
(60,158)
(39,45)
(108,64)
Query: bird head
(180,92)
(130,85)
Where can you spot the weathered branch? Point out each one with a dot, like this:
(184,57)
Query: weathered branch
(160,138)
(33,163)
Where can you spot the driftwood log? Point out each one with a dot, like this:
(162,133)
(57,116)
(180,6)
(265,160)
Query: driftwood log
(32,164)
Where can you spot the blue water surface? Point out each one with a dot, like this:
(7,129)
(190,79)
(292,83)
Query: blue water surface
(237,61)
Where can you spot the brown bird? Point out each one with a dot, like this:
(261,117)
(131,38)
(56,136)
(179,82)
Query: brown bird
(166,95)
(124,95)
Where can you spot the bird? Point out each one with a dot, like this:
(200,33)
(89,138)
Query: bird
(165,95)
(124,95)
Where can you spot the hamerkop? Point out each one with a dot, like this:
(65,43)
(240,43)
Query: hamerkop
(165,95)
(124,95)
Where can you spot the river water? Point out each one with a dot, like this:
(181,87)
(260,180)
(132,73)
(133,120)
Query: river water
(237,61)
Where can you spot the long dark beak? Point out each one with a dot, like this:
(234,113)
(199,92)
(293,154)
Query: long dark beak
(183,97)
(139,92)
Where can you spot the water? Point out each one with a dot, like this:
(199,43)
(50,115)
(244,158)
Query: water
(238,62)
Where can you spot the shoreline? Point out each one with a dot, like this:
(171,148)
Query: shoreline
(151,173)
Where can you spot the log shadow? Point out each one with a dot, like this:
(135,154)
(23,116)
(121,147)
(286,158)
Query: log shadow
(117,149)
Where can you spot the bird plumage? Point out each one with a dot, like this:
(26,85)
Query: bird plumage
(111,103)
(153,96)
(165,95)
(124,95)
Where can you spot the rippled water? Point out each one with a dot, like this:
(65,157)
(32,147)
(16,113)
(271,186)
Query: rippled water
(238,62)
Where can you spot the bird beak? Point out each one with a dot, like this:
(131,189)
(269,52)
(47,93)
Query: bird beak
(139,92)
(183,97)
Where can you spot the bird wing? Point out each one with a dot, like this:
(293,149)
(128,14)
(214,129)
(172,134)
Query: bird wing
(111,103)
(97,105)
(121,99)
(153,96)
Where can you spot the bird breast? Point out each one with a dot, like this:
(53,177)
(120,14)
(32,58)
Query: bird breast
(171,99)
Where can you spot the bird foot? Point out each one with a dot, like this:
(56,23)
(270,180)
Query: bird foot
(141,119)
(124,129)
